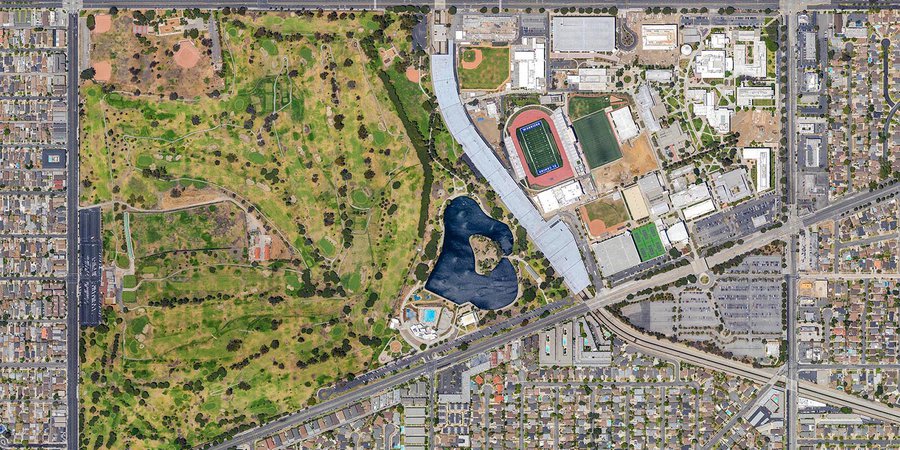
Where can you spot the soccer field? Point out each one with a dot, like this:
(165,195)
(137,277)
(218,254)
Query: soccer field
(540,150)
(646,239)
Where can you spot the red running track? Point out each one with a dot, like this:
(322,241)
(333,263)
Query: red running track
(553,177)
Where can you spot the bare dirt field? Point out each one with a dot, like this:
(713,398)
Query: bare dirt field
(103,71)
(488,128)
(188,196)
(412,74)
(665,58)
(187,55)
(102,23)
(758,126)
(637,160)
(616,101)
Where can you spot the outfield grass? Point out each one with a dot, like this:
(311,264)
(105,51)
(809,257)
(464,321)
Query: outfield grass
(608,211)
(646,239)
(490,74)
(598,142)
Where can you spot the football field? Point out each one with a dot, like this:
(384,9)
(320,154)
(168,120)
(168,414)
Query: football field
(540,151)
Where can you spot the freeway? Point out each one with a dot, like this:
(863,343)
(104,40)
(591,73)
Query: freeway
(72,183)
(407,374)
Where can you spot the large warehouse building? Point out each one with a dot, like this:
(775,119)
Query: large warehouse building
(581,34)
(616,254)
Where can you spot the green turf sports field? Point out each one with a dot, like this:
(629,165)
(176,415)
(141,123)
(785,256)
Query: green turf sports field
(580,106)
(610,212)
(490,74)
(540,151)
(646,239)
(597,140)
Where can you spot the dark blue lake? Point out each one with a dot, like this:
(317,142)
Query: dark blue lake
(454,276)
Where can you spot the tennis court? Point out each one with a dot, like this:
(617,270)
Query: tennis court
(595,134)
(646,239)
(541,153)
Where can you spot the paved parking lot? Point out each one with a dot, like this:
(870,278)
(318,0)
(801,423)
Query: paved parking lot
(738,222)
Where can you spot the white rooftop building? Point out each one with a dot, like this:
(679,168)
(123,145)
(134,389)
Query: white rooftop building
(718,40)
(659,75)
(811,81)
(659,37)
(616,254)
(624,124)
(677,233)
(560,196)
(567,137)
(695,193)
(711,64)
(700,209)
(583,34)
(591,79)
(748,95)
(644,102)
(718,118)
(750,59)
(515,162)
(529,64)
(732,186)
(762,158)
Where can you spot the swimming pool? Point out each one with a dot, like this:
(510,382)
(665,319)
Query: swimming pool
(430,315)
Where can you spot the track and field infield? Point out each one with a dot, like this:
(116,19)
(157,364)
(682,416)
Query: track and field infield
(539,148)
(541,154)
(646,239)
(598,142)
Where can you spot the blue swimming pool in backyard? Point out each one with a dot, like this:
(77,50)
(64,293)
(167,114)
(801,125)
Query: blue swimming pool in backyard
(454,276)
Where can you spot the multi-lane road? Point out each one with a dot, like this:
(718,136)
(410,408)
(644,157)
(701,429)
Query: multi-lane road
(377,4)
(72,183)
(381,4)
(436,351)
